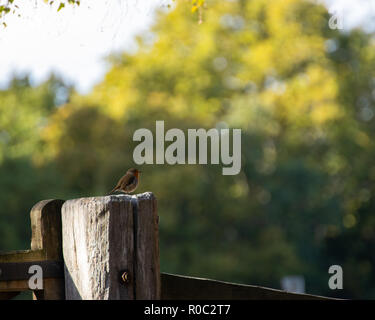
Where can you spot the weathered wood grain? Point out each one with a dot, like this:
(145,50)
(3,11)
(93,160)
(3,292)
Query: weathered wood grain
(13,286)
(46,228)
(21,256)
(147,235)
(103,237)
(97,246)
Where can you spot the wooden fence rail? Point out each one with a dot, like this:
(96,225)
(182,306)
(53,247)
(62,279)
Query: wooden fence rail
(46,251)
(108,248)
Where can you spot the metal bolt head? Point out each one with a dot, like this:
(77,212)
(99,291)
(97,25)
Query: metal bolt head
(125,277)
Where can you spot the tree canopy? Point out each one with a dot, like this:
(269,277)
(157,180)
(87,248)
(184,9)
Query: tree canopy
(302,94)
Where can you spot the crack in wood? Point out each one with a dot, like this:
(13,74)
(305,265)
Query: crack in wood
(134,202)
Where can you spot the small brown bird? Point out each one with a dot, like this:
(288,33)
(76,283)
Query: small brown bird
(128,182)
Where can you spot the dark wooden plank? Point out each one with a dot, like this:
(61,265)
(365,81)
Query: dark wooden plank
(14,286)
(8,295)
(20,270)
(177,287)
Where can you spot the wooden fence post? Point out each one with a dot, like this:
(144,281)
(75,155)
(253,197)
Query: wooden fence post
(110,247)
(46,236)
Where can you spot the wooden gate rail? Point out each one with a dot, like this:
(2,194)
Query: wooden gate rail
(178,287)
(107,248)
(46,251)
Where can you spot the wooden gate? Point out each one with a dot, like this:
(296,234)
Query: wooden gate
(105,248)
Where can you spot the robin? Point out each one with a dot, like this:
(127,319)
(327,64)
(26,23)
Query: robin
(128,182)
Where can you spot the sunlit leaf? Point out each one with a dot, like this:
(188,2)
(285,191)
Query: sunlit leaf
(62,5)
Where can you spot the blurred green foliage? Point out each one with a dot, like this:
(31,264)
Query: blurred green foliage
(302,94)
(10,6)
